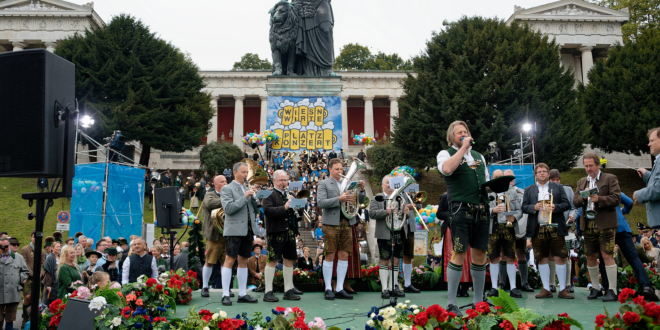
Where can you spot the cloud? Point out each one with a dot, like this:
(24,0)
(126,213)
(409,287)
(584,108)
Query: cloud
(312,126)
(329,125)
(304,102)
(285,103)
(319,103)
(276,126)
(295,125)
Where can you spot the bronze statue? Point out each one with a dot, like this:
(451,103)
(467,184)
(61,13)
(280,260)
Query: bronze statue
(314,46)
(283,33)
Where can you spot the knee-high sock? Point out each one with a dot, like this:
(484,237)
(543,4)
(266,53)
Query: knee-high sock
(384,274)
(342,268)
(511,273)
(611,276)
(396,279)
(478,273)
(269,273)
(407,274)
(561,276)
(453,278)
(327,274)
(206,275)
(593,276)
(242,275)
(501,278)
(553,272)
(494,274)
(287,272)
(522,266)
(569,276)
(544,269)
(226,280)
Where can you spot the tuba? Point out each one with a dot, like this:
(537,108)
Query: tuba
(397,219)
(218,219)
(350,208)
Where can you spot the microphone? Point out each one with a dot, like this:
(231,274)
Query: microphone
(464,138)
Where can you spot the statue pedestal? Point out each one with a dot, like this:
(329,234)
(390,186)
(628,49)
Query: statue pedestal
(303,86)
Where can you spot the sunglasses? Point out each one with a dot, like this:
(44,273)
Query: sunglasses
(4,246)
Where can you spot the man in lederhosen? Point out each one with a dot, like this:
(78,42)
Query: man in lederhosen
(215,242)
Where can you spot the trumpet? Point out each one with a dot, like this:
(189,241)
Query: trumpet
(503,199)
(546,209)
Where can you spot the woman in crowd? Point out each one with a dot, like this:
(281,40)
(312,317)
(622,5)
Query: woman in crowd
(651,251)
(79,251)
(67,271)
(305,262)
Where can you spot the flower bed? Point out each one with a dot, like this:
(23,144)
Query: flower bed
(634,313)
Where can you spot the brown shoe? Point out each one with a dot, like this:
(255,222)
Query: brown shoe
(565,294)
(543,294)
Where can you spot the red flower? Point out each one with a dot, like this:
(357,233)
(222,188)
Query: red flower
(204,312)
(639,300)
(192,273)
(300,324)
(421,319)
(631,318)
(506,325)
(126,312)
(600,320)
(159,288)
(73,294)
(471,313)
(626,294)
(159,319)
(564,315)
(55,320)
(482,307)
(437,312)
(652,309)
(280,309)
(231,324)
(151,282)
(56,306)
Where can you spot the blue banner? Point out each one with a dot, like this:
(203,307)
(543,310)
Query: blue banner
(305,123)
(124,201)
(524,173)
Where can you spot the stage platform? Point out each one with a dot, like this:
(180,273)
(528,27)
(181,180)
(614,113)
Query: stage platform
(352,313)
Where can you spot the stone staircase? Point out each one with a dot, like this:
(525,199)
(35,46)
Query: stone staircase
(309,241)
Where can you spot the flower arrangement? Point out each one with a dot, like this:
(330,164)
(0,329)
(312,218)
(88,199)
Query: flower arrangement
(185,283)
(363,139)
(426,278)
(504,315)
(634,313)
(283,318)
(626,277)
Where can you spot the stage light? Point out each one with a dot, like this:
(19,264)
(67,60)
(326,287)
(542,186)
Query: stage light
(526,127)
(86,121)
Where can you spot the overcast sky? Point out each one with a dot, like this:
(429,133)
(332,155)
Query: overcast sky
(216,33)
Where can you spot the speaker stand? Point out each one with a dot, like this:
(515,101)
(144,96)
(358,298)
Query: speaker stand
(42,208)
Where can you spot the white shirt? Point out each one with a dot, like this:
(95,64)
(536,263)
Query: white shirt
(127,266)
(444,155)
(544,192)
(592,181)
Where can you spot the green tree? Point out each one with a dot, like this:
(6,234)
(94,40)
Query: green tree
(622,99)
(644,14)
(137,83)
(357,57)
(494,77)
(251,61)
(215,157)
(383,158)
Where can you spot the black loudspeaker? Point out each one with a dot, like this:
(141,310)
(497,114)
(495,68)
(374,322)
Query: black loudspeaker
(168,207)
(77,315)
(37,104)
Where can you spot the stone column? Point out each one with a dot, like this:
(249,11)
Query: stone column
(18,45)
(264,113)
(368,115)
(50,46)
(238,119)
(345,138)
(213,134)
(587,62)
(394,111)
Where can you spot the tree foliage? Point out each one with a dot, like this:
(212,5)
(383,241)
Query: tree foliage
(644,14)
(354,56)
(494,77)
(383,158)
(215,157)
(251,61)
(132,81)
(622,95)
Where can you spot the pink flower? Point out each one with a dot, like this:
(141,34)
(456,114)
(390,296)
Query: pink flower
(84,293)
(317,323)
(115,285)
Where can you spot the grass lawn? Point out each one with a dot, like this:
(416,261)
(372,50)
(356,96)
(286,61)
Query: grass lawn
(14,210)
(433,183)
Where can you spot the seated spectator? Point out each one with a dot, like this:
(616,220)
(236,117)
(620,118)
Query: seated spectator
(651,252)
(111,266)
(138,263)
(305,262)
(318,231)
(162,263)
(319,260)
(67,271)
(256,265)
(180,258)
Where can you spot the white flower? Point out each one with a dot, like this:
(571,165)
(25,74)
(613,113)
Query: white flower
(206,328)
(371,316)
(142,278)
(413,306)
(258,327)
(116,321)
(370,323)
(407,301)
(97,303)
(215,316)
(223,314)
(416,311)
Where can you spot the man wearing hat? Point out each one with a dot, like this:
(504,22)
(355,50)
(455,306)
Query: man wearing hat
(256,265)
(111,266)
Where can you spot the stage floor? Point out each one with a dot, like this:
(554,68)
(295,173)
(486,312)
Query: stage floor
(352,313)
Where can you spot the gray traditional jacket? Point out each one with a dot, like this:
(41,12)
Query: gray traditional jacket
(13,273)
(240,211)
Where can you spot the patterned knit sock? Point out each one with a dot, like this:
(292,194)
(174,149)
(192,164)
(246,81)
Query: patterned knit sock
(478,273)
(453,278)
